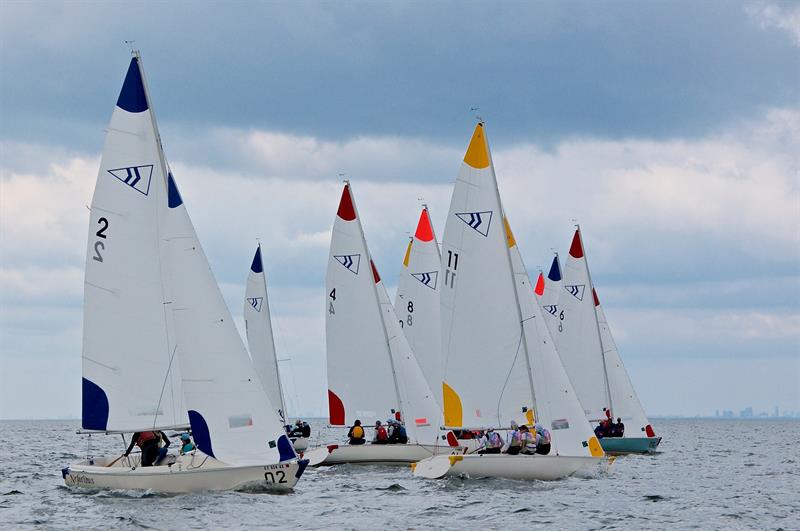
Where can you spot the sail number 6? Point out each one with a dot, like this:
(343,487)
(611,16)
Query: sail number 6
(99,245)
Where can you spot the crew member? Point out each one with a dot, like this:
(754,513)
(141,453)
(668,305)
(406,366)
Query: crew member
(356,433)
(381,437)
(148,443)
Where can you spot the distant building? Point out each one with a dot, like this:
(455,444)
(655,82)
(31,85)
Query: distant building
(727,414)
(746,413)
(775,413)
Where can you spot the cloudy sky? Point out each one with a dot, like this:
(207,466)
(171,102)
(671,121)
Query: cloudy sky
(670,131)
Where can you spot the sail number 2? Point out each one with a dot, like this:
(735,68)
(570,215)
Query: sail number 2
(99,245)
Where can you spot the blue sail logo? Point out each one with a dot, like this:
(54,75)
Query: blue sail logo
(137,177)
(256,302)
(350,261)
(428,279)
(480,221)
(552,309)
(576,290)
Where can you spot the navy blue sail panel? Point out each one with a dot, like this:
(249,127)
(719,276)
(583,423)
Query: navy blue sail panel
(555,270)
(95,407)
(174,198)
(200,432)
(132,97)
(257,266)
(285,449)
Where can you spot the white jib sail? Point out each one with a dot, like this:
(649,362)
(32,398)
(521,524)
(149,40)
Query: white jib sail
(360,375)
(422,415)
(485,374)
(131,381)
(258,327)
(417,301)
(577,335)
(625,401)
(556,403)
(231,417)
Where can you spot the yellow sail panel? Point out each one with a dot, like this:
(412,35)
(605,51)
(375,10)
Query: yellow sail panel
(509,235)
(453,414)
(478,151)
(594,447)
(408,253)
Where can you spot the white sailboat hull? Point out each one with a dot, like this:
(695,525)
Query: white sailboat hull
(373,454)
(189,473)
(527,467)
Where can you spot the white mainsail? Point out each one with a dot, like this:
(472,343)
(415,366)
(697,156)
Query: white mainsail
(360,375)
(601,355)
(417,301)
(577,334)
(131,379)
(258,327)
(486,379)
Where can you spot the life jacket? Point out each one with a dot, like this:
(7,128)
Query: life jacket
(187,447)
(145,437)
(380,434)
(515,439)
(493,440)
(528,440)
(357,432)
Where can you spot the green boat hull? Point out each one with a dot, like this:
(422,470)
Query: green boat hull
(630,445)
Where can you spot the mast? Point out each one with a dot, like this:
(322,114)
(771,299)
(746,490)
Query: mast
(380,309)
(267,315)
(597,323)
(165,173)
(507,230)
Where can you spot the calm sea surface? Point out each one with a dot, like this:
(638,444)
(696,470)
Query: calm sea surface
(708,474)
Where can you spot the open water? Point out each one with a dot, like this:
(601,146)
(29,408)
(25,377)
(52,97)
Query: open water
(732,474)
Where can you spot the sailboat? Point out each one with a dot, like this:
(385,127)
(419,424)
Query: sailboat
(579,326)
(372,372)
(500,363)
(160,350)
(261,343)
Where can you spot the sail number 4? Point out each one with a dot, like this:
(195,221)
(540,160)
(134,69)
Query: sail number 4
(99,245)
(332,295)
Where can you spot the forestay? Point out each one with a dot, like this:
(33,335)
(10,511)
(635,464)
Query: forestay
(258,327)
(417,301)
(577,334)
(360,376)
(486,379)
(131,380)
